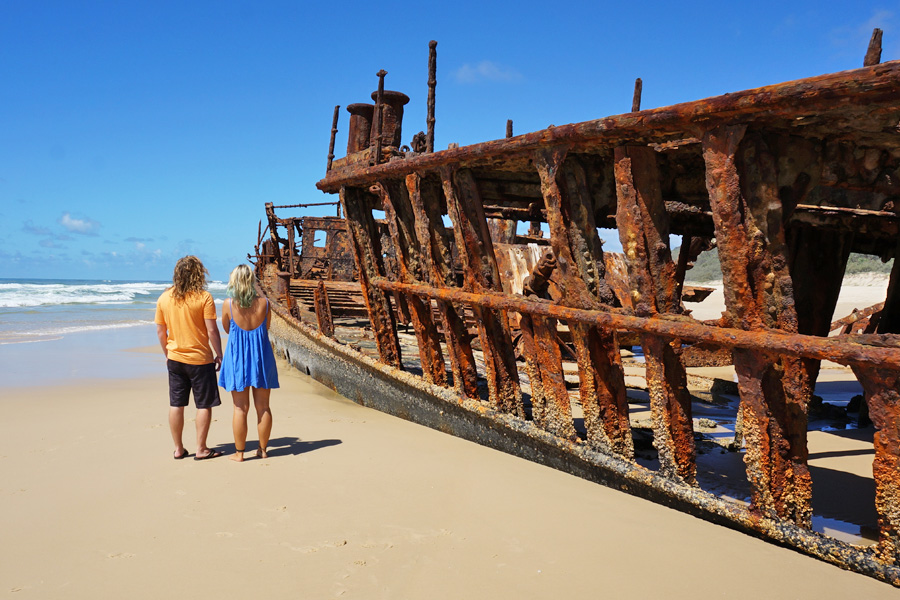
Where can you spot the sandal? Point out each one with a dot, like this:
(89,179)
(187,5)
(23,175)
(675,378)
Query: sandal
(212,454)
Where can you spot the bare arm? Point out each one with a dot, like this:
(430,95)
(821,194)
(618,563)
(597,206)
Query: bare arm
(215,340)
(226,316)
(162,334)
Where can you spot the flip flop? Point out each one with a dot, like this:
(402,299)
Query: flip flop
(184,454)
(212,454)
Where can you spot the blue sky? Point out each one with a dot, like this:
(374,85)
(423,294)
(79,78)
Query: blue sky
(133,133)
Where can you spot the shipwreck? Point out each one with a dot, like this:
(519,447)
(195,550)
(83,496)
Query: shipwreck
(468,289)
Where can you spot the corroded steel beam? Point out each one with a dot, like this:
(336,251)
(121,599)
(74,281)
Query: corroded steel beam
(436,264)
(551,407)
(581,281)
(866,350)
(741,176)
(401,224)
(643,226)
(366,245)
(480,273)
(323,310)
(882,388)
(867,94)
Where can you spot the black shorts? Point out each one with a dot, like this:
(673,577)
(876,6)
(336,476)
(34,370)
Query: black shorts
(200,378)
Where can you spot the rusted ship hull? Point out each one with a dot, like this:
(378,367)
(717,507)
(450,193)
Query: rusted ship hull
(371,383)
(786,180)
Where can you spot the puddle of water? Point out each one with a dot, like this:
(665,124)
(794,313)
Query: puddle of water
(841,530)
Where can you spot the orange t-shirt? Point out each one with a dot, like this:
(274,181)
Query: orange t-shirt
(187,340)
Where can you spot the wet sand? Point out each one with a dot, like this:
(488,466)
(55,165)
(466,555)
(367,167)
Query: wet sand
(352,503)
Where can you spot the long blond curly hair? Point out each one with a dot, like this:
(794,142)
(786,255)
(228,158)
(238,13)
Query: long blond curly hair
(189,278)
(240,286)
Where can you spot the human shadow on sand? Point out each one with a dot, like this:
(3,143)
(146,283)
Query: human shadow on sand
(283,446)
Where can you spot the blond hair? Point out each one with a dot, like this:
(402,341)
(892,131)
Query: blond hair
(189,277)
(240,286)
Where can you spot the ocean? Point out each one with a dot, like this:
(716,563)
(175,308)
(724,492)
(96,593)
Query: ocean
(52,330)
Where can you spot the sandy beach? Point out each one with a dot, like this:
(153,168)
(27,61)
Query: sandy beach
(351,503)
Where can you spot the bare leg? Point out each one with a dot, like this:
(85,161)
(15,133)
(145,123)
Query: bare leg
(263,419)
(204,418)
(176,426)
(239,422)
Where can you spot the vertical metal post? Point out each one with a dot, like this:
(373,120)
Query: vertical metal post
(643,226)
(432,83)
(334,122)
(576,246)
(434,245)
(873,54)
(636,99)
(741,178)
(379,109)
(401,225)
(367,252)
(481,273)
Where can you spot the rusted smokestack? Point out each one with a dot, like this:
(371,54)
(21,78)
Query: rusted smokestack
(360,127)
(391,118)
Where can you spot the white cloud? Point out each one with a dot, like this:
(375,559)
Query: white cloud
(486,71)
(84,226)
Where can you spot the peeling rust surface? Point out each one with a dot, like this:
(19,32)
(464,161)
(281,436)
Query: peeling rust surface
(644,231)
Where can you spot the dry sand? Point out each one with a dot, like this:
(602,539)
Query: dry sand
(858,291)
(352,503)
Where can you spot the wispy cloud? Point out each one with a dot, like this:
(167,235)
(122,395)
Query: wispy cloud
(29,227)
(486,70)
(856,35)
(83,226)
(50,243)
(137,239)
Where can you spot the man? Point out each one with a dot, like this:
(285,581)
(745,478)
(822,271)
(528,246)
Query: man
(186,326)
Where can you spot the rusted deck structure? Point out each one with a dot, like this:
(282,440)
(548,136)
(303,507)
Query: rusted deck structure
(786,180)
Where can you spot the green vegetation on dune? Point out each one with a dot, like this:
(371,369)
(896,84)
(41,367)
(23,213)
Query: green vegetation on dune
(707,268)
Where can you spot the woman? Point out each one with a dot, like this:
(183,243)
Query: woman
(249,361)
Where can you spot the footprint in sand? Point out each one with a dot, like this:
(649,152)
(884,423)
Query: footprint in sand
(120,555)
(224,534)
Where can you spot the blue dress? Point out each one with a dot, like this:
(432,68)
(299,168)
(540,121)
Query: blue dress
(249,360)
